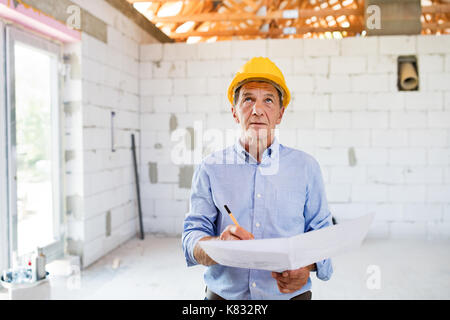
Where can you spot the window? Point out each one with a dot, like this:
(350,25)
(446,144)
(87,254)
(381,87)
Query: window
(33,144)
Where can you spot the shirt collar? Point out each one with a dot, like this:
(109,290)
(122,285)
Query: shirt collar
(272,152)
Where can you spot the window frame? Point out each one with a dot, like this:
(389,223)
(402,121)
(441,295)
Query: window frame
(15,34)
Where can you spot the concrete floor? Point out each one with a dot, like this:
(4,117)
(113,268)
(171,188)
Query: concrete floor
(155,269)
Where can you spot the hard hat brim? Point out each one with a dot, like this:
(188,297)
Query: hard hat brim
(241,79)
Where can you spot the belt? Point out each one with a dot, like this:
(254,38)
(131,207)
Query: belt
(210,295)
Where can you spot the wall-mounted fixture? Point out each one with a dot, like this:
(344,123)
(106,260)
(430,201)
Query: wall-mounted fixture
(113,114)
(408,74)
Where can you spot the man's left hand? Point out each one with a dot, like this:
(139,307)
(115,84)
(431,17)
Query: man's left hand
(292,280)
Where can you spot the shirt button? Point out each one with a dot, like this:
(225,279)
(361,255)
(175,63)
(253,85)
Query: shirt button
(258,195)
(258,225)
(253,285)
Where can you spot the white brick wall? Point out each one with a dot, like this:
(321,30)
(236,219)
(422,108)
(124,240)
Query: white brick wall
(344,100)
(113,78)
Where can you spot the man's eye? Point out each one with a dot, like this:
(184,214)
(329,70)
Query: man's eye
(268,100)
(247,99)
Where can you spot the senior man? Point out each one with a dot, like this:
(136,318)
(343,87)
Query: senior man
(272,190)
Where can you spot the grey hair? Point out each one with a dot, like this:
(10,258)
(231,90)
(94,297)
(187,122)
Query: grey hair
(239,86)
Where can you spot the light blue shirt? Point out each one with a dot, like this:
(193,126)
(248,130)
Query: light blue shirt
(281,196)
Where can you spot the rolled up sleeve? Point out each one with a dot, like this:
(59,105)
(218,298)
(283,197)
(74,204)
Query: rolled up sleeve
(200,221)
(317,214)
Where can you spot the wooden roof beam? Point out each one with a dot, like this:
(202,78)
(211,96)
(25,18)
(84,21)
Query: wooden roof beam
(257,32)
(280,14)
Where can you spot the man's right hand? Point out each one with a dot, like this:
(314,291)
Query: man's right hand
(233,232)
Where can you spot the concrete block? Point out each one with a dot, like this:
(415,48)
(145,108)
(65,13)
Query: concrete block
(93,48)
(351,138)
(358,46)
(203,103)
(346,174)
(386,212)
(385,101)
(169,69)
(215,86)
(156,121)
(332,84)
(167,173)
(438,156)
(154,87)
(94,227)
(346,211)
(179,51)
(430,63)
(203,68)
(382,64)
(438,193)
(160,225)
(297,120)
(229,67)
(407,156)
(169,104)
(370,83)
(190,86)
(321,47)
(284,48)
(423,175)
(385,174)
(300,84)
(408,120)
(369,119)
(348,65)
(215,50)
(423,101)
(438,119)
(371,156)
(389,138)
(438,81)
(433,44)
(369,193)
(305,102)
(407,194)
(428,138)
(348,101)
(319,138)
(249,49)
(338,192)
(397,45)
(286,65)
(146,104)
(331,156)
(151,52)
(332,120)
(176,208)
(311,65)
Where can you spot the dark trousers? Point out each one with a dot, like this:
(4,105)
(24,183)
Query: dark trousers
(213,296)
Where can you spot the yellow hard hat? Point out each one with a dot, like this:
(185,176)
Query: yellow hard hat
(260,69)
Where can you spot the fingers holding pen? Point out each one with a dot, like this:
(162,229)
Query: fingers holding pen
(233,232)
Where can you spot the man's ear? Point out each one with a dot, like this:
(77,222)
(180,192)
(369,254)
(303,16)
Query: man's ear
(235,116)
(280,115)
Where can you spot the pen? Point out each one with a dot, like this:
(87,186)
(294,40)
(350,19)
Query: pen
(231,216)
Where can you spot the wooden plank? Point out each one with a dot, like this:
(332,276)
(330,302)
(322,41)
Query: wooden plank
(280,14)
(256,32)
(437,8)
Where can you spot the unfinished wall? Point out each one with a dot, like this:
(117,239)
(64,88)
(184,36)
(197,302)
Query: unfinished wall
(103,78)
(380,150)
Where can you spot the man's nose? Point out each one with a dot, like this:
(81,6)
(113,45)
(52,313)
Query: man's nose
(257,108)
